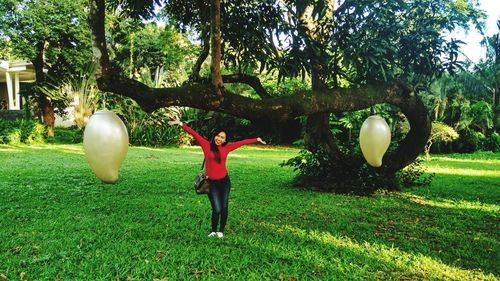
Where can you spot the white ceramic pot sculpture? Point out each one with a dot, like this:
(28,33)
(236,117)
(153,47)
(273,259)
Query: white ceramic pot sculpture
(374,139)
(105,141)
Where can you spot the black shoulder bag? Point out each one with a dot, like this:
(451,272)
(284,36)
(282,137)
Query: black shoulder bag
(201,185)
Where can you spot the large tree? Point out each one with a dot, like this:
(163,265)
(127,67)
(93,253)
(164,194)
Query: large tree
(354,53)
(53,35)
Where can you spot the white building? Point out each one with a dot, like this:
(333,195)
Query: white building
(11,75)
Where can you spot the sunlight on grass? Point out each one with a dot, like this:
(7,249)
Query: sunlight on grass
(37,147)
(10,149)
(419,265)
(149,148)
(464,172)
(478,161)
(460,204)
(78,150)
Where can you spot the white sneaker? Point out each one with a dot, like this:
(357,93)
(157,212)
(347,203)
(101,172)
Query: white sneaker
(212,234)
(220,234)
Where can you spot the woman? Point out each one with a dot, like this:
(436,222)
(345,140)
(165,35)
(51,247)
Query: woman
(215,153)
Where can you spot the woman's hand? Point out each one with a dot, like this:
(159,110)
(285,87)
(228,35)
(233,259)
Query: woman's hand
(261,141)
(175,122)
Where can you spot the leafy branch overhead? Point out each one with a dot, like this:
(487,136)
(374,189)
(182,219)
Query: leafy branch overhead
(355,55)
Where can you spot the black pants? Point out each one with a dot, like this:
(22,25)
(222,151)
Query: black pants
(219,197)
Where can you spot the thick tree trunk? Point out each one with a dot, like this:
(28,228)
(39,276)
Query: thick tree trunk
(47,114)
(318,136)
(47,111)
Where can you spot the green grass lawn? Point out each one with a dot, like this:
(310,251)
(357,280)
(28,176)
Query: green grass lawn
(57,221)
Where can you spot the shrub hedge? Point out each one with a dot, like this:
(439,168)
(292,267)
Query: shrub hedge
(19,131)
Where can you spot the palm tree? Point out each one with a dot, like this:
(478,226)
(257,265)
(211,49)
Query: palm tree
(81,94)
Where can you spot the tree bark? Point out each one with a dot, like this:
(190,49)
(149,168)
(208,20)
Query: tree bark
(317,135)
(195,76)
(216,45)
(47,111)
(496,93)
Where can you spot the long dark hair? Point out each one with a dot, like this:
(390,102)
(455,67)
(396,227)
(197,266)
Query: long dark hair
(213,146)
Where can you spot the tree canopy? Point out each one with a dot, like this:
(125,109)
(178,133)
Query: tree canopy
(58,27)
(53,35)
(354,53)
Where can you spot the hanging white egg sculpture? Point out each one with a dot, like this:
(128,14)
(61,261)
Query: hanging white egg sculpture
(105,141)
(374,139)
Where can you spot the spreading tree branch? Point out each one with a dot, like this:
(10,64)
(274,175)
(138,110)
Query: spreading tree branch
(252,81)
(276,110)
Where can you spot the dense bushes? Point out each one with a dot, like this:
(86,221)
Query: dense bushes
(21,131)
(68,135)
(492,143)
(316,171)
(471,141)
(157,136)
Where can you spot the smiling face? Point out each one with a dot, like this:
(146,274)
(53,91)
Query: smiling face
(220,138)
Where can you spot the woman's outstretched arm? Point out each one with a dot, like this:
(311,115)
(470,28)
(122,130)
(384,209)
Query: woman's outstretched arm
(234,145)
(201,140)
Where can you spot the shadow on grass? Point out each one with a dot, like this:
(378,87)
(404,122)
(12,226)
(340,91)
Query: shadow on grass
(329,254)
(459,237)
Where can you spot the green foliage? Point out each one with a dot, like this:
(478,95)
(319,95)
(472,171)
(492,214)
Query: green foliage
(414,174)
(138,47)
(243,50)
(206,123)
(19,131)
(316,171)
(80,93)
(352,175)
(470,141)
(346,126)
(481,114)
(147,129)
(151,135)
(463,102)
(286,87)
(67,135)
(56,27)
(357,41)
(442,133)
(59,221)
(492,143)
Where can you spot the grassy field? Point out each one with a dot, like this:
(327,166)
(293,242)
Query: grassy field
(57,221)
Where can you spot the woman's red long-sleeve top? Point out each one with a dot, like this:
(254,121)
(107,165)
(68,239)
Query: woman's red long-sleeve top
(214,169)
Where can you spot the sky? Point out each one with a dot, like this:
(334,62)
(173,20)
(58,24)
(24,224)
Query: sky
(472,48)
